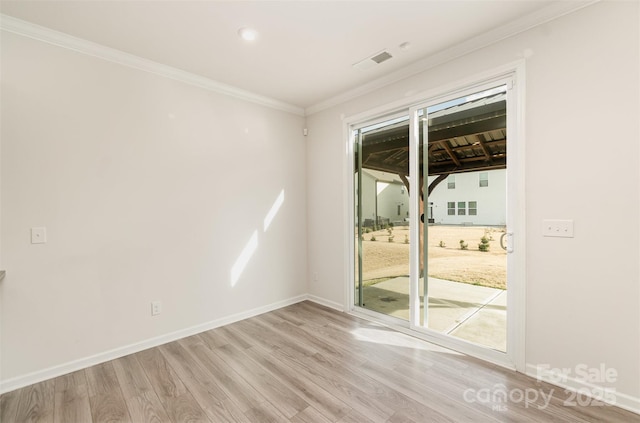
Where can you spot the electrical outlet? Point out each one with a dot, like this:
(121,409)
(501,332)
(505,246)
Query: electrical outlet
(156,308)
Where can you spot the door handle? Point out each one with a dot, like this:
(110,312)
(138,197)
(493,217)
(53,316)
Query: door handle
(508,245)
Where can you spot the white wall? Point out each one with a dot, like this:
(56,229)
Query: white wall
(150,189)
(582,108)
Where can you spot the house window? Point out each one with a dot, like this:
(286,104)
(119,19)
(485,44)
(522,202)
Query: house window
(451,208)
(398,209)
(462,208)
(473,208)
(451,182)
(484,179)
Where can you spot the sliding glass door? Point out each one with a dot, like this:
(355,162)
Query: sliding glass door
(431,220)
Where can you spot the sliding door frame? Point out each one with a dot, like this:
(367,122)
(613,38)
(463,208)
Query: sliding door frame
(513,75)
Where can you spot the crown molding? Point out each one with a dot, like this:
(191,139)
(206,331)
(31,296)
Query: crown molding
(60,39)
(542,16)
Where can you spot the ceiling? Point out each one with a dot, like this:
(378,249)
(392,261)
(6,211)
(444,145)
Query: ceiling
(305,49)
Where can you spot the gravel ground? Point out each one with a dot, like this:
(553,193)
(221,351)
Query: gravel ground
(384,259)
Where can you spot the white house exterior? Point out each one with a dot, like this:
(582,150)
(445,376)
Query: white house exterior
(474,198)
(383,195)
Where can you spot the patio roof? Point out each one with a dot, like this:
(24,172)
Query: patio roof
(464,138)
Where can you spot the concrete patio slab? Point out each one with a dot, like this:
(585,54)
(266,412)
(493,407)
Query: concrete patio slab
(488,326)
(470,312)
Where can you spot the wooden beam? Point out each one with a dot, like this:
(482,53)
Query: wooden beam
(453,156)
(469,115)
(449,167)
(405,181)
(474,128)
(436,182)
(482,140)
(399,139)
(498,146)
(386,167)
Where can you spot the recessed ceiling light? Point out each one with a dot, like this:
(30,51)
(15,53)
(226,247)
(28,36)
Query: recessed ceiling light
(248,34)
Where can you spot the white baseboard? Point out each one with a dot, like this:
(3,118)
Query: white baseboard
(63,369)
(325,302)
(573,384)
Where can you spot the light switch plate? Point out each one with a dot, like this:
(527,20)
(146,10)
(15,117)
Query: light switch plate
(557,228)
(38,235)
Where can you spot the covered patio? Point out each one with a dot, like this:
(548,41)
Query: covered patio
(474,313)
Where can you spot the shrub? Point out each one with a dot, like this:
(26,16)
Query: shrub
(390,238)
(373,237)
(367,230)
(484,244)
(442,244)
(406,239)
(463,245)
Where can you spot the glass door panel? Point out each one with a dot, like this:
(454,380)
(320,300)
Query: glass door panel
(382,204)
(463,168)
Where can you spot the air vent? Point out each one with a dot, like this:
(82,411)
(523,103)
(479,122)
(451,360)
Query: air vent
(374,60)
(379,58)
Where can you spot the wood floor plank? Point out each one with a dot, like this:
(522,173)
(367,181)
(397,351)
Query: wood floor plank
(310,415)
(9,406)
(400,417)
(356,417)
(177,400)
(259,333)
(318,344)
(294,317)
(324,402)
(36,403)
(336,385)
(383,392)
(212,338)
(105,395)
(188,369)
(235,387)
(285,400)
(266,336)
(265,413)
(437,403)
(142,401)
(234,337)
(205,389)
(71,402)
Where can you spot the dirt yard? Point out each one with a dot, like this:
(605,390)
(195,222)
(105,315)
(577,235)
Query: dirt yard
(383,259)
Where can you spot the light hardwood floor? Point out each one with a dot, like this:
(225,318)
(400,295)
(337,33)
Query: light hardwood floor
(302,363)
